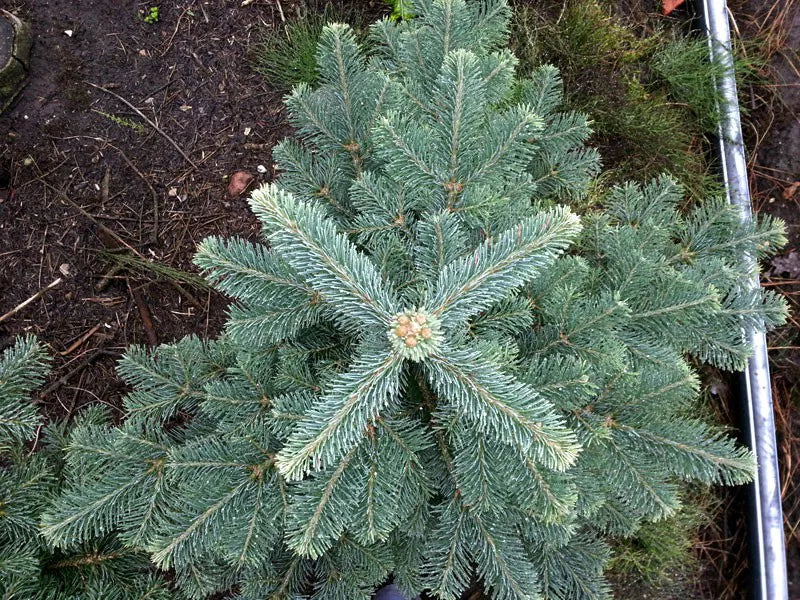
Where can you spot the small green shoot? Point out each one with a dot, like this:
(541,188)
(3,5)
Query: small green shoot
(133,125)
(160,270)
(683,65)
(151,15)
(649,91)
(401,10)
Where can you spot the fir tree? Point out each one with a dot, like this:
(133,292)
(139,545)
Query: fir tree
(29,569)
(431,371)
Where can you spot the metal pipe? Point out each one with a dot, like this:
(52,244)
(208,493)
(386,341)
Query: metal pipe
(766,517)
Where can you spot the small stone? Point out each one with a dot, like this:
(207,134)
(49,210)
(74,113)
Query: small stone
(15,45)
(238,183)
(68,32)
(261,169)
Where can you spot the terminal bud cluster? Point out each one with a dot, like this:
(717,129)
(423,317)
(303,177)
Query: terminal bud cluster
(415,334)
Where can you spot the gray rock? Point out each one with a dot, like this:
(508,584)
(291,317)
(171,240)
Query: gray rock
(15,49)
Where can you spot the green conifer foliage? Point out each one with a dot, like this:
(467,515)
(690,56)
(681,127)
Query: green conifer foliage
(29,568)
(431,369)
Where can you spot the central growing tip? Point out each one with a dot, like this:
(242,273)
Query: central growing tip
(415,333)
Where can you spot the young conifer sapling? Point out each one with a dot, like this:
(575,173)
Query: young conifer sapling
(433,370)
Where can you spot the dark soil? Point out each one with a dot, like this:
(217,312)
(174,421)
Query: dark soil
(191,75)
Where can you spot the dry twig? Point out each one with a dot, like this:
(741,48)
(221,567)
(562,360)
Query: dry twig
(77,344)
(144,314)
(33,298)
(148,121)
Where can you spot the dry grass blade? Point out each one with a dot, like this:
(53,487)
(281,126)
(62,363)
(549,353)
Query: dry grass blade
(148,121)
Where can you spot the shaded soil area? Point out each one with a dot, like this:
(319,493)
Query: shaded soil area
(122,141)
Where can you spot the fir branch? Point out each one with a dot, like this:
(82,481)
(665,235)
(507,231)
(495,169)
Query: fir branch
(265,327)
(309,114)
(499,266)
(337,422)
(91,516)
(248,271)
(459,120)
(543,90)
(472,388)
(402,146)
(694,451)
(166,555)
(314,525)
(509,149)
(337,59)
(641,481)
(440,241)
(449,567)
(22,369)
(308,242)
(501,560)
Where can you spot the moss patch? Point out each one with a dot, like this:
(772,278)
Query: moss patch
(649,90)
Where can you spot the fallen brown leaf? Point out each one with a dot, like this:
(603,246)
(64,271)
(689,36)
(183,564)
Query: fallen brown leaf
(790,191)
(238,183)
(670,5)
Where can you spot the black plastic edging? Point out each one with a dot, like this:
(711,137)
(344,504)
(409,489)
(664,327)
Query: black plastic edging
(765,517)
